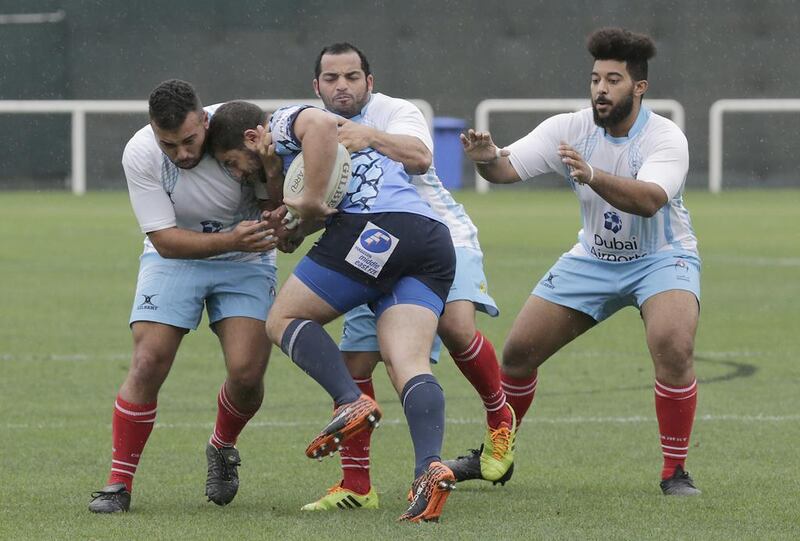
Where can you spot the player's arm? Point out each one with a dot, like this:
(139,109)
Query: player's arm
(642,197)
(491,162)
(407,149)
(270,194)
(315,129)
(247,236)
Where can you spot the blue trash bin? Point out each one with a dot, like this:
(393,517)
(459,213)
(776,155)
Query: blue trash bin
(447,152)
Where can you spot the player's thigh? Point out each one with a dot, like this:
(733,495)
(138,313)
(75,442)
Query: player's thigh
(245,346)
(541,329)
(457,325)
(405,335)
(296,300)
(154,346)
(670,320)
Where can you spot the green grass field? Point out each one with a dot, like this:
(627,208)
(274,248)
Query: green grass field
(588,457)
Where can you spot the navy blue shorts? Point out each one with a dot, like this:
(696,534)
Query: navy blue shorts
(381,259)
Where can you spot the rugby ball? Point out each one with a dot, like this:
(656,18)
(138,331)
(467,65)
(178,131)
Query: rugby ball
(294,182)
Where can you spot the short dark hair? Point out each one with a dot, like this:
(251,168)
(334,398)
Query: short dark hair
(620,44)
(171,101)
(229,122)
(341,48)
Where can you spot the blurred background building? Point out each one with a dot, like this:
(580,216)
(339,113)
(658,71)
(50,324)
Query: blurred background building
(452,53)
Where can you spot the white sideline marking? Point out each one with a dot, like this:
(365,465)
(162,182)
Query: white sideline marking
(454,421)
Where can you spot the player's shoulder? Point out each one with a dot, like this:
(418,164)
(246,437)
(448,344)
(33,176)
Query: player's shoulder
(663,128)
(141,147)
(569,125)
(381,104)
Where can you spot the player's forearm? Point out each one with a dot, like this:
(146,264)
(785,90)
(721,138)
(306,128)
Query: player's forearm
(406,149)
(628,195)
(317,131)
(498,171)
(176,243)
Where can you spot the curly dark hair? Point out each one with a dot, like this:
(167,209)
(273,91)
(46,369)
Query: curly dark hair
(229,122)
(623,45)
(171,101)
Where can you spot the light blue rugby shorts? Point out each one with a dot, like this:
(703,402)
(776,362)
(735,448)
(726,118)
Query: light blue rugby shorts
(174,291)
(600,288)
(360,331)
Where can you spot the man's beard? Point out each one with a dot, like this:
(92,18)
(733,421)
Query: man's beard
(349,111)
(616,114)
(256,176)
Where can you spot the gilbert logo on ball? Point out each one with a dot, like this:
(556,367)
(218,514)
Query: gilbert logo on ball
(294,182)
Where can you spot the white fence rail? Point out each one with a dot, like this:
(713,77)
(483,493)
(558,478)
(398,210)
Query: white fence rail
(715,135)
(486,107)
(78,109)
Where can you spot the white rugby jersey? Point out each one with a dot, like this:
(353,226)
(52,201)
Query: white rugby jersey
(655,150)
(204,198)
(400,117)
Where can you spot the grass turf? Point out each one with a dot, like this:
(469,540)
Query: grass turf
(588,456)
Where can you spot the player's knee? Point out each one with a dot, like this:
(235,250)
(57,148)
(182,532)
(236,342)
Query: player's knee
(456,335)
(275,326)
(519,360)
(148,368)
(674,354)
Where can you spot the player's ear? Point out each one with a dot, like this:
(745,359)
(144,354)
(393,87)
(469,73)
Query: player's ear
(251,138)
(205,119)
(370,83)
(640,87)
(315,84)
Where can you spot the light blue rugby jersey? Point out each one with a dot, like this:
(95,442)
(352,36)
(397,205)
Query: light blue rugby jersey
(377,184)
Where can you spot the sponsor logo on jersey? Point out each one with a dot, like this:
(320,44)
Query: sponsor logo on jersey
(612,221)
(211,226)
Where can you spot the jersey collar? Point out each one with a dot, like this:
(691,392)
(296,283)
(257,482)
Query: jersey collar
(641,120)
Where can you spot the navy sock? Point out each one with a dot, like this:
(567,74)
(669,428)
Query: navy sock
(312,349)
(423,404)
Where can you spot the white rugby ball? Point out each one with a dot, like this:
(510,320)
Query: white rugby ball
(294,182)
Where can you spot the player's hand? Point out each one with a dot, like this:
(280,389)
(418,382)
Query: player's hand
(580,171)
(308,209)
(253,236)
(354,136)
(479,147)
(291,243)
(270,161)
(275,220)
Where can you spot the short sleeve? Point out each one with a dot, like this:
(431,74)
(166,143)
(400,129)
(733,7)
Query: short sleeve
(151,203)
(281,125)
(668,163)
(407,119)
(537,152)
